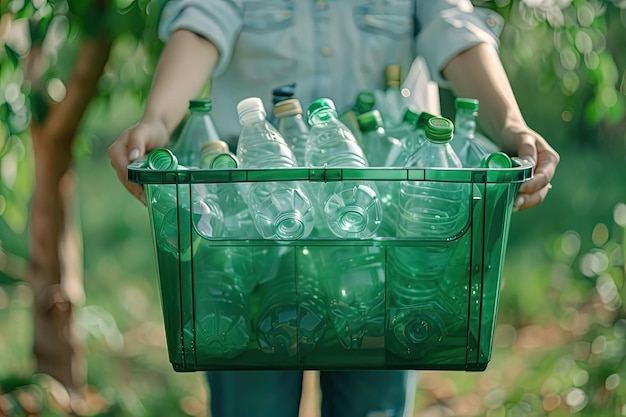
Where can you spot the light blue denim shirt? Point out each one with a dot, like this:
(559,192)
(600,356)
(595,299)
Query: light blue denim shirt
(330,48)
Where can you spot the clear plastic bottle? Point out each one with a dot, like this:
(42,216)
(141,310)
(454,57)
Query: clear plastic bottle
(281,93)
(435,212)
(216,155)
(404,132)
(393,101)
(380,148)
(348,209)
(469,146)
(166,201)
(363,102)
(292,316)
(292,126)
(280,210)
(417,136)
(355,284)
(222,328)
(197,131)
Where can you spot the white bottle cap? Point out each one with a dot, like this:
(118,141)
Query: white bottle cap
(250,105)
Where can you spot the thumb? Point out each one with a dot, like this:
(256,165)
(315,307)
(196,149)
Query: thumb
(137,143)
(527,149)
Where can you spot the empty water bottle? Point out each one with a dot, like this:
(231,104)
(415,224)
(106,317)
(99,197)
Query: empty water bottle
(355,284)
(468,144)
(416,138)
(197,131)
(222,329)
(292,316)
(169,203)
(435,212)
(280,210)
(393,101)
(281,93)
(380,148)
(216,155)
(292,127)
(364,102)
(348,209)
(383,149)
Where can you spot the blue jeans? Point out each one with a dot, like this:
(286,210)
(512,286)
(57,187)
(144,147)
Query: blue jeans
(344,393)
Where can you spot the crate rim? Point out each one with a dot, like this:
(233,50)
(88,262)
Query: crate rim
(139,173)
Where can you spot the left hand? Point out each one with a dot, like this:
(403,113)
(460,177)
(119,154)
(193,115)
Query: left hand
(531,146)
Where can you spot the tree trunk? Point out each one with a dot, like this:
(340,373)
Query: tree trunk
(55,249)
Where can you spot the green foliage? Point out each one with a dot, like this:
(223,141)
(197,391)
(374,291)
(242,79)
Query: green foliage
(30,81)
(574,47)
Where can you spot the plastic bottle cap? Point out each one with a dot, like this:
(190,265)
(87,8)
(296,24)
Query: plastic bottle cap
(224,161)
(370,120)
(364,102)
(410,117)
(320,104)
(162,159)
(496,160)
(423,119)
(201,104)
(286,90)
(466,103)
(392,75)
(218,146)
(439,129)
(287,108)
(250,105)
(283,92)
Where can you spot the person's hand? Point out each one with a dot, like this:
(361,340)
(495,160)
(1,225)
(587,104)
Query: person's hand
(132,144)
(531,146)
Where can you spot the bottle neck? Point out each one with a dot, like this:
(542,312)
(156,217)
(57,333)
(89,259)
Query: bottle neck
(465,123)
(252,116)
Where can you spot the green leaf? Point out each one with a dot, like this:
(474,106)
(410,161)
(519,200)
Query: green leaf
(13,56)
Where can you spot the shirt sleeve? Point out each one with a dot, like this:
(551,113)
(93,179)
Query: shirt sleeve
(450,27)
(218,21)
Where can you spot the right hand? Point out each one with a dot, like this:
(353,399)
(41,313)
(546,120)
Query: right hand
(133,144)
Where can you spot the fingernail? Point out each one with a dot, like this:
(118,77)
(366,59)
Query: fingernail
(142,197)
(519,201)
(133,154)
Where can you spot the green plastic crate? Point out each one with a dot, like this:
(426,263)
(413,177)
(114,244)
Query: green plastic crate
(459,318)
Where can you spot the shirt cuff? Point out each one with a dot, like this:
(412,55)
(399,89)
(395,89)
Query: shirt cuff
(220,23)
(456,31)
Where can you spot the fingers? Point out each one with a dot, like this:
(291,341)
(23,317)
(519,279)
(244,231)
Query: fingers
(131,145)
(533,192)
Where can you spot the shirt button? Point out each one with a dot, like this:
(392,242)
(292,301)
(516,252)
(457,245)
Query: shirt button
(491,22)
(327,51)
(321,4)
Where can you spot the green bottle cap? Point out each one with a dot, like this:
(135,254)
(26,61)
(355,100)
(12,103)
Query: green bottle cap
(319,105)
(466,103)
(287,108)
(162,159)
(410,117)
(439,129)
(210,150)
(370,120)
(496,160)
(201,105)
(224,161)
(364,102)
(423,119)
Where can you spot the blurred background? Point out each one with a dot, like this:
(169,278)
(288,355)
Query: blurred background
(75,73)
